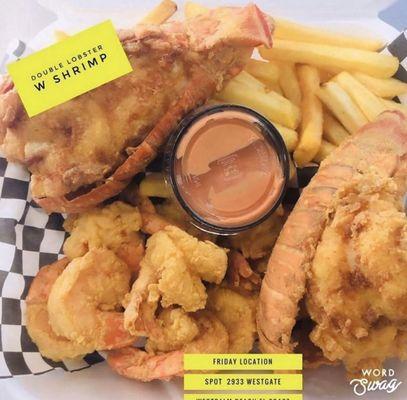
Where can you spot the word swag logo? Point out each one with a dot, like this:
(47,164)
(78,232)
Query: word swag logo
(375,380)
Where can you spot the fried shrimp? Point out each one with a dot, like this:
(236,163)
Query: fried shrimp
(134,363)
(174,327)
(172,270)
(137,364)
(213,337)
(84,299)
(49,344)
(238,314)
(114,226)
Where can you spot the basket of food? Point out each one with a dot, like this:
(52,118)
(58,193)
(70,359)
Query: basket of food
(242,190)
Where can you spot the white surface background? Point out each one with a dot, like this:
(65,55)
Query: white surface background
(24,19)
(21,19)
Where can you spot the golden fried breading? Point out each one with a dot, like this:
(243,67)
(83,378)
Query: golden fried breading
(86,150)
(382,144)
(137,364)
(173,268)
(115,227)
(177,329)
(213,337)
(175,215)
(49,344)
(183,262)
(84,298)
(238,314)
(358,280)
(259,241)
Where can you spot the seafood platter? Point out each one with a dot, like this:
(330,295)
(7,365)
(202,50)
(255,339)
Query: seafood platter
(241,190)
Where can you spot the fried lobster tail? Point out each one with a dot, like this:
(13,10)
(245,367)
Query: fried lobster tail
(88,149)
(381,144)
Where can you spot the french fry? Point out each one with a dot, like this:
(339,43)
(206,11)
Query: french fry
(331,70)
(293,31)
(289,83)
(325,150)
(153,185)
(290,136)
(273,106)
(325,56)
(268,72)
(163,11)
(387,88)
(392,105)
(250,81)
(192,9)
(60,35)
(370,104)
(342,106)
(311,109)
(325,75)
(333,131)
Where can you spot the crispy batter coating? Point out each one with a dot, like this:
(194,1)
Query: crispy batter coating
(137,364)
(213,337)
(238,314)
(382,144)
(115,227)
(185,262)
(49,344)
(87,149)
(79,142)
(157,217)
(84,300)
(174,214)
(173,268)
(358,280)
(176,329)
(259,241)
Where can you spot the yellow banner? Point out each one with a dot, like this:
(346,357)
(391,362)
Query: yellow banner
(208,396)
(69,68)
(243,382)
(252,362)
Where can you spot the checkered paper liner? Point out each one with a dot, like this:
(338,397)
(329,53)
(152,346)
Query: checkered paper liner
(29,239)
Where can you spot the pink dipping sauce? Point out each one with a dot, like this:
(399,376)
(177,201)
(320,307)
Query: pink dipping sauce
(226,169)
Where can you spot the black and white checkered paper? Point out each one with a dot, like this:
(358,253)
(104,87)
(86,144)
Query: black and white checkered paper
(29,239)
